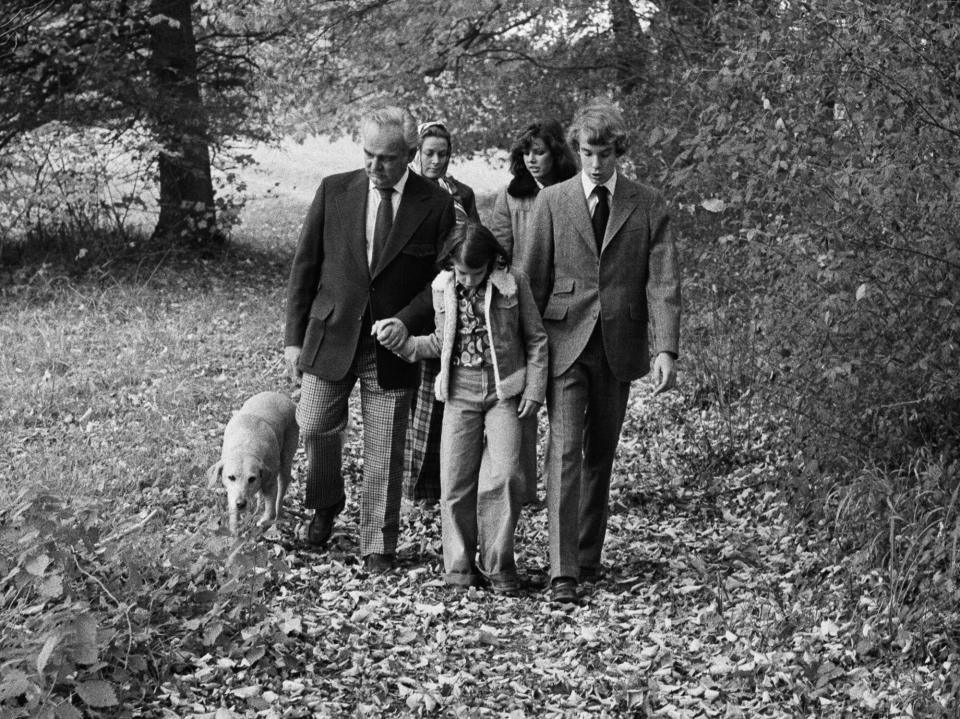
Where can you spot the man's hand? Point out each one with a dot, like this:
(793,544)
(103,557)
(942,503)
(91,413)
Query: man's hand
(291,356)
(664,373)
(528,408)
(391,333)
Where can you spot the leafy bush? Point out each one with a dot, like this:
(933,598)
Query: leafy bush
(824,142)
(88,616)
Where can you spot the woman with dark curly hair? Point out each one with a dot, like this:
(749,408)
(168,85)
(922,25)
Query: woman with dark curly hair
(539,157)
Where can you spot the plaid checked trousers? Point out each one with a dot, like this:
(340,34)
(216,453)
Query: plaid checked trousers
(421,454)
(322,416)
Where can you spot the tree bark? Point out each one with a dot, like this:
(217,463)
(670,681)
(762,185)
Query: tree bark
(187,209)
(630,46)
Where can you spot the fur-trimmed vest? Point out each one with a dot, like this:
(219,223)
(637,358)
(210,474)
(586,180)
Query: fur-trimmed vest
(518,341)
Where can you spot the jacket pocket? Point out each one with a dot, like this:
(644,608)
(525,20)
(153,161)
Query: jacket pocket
(560,299)
(320,312)
(563,286)
(322,308)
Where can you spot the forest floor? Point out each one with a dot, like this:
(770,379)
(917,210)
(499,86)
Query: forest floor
(118,376)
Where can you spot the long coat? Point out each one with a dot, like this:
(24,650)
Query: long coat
(632,282)
(331,286)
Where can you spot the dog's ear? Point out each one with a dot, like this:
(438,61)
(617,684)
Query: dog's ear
(214,473)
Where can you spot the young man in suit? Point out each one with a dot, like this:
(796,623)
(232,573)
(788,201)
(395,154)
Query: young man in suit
(602,266)
(367,251)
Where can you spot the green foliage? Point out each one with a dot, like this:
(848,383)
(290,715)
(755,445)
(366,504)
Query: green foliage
(88,618)
(828,136)
(907,521)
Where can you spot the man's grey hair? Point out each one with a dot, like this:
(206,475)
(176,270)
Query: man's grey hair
(392,116)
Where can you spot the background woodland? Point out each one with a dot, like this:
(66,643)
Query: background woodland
(811,153)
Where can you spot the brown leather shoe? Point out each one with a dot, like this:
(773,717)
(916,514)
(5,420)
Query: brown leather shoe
(321,526)
(564,590)
(378,563)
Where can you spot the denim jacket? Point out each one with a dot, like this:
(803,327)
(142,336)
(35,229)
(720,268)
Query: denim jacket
(518,342)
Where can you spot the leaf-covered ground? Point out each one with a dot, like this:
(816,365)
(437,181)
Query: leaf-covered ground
(718,601)
(715,605)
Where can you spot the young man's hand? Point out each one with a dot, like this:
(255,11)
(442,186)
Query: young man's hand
(664,373)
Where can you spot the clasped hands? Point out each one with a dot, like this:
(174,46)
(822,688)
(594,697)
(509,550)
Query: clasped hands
(393,334)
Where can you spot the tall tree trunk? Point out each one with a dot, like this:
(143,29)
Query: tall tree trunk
(187,209)
(630,46)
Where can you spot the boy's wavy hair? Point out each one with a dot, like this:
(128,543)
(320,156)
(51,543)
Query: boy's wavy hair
(473,245)
(601,123)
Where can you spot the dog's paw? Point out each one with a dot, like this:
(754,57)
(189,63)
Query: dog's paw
(271,533)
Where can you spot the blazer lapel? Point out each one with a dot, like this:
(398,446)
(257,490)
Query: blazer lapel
(624,203)
(577,211)
(351,204)
(414,207)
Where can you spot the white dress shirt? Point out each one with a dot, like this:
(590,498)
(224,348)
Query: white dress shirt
(373,204)
(588,188)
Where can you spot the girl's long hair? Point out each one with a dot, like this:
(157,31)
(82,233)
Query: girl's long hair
(475,246)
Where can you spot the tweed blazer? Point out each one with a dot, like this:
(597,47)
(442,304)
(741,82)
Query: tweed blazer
(630,284)
(332,288)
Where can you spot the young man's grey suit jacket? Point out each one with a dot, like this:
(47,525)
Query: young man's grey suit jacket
(634,284)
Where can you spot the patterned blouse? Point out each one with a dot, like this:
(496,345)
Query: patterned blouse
(471,347)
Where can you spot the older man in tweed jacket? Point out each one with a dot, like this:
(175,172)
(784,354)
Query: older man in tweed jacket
(602,267)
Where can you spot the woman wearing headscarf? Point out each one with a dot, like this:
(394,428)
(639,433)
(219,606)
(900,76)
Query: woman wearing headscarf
(421,454)
(539,157)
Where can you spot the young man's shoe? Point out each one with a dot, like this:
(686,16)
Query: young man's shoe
(564,590)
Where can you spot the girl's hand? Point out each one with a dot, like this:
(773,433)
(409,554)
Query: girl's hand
(528,408)
(391,333)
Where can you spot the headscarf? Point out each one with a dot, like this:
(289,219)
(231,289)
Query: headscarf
(445,181)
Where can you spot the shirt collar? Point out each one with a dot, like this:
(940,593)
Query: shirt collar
(468,293)
(401,183)
(588,185)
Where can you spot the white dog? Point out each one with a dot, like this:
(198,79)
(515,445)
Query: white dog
(258,447)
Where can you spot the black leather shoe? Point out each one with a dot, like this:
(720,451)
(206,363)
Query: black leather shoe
(321,526)
(564,590)
(378,563)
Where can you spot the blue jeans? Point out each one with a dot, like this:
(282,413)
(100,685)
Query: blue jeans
(479,508)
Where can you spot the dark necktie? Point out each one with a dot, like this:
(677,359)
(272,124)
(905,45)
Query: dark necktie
(381,227)
(601,214)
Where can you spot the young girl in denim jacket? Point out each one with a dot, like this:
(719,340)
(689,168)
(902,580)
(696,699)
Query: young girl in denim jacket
(493,371)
